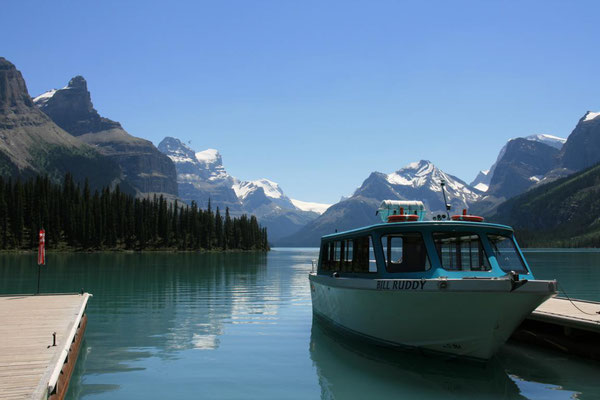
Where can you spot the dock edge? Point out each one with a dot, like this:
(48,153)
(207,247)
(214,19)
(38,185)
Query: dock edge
(55,383)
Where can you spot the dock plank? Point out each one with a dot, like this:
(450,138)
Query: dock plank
(27,323)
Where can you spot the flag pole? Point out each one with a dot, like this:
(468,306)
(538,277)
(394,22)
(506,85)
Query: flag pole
(39,273)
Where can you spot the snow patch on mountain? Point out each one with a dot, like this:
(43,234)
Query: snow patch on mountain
(271,189)
(208,156)
(43,98)
(590,116)
(482,187)
(536,178)
(550,140)
(414,174)
(318,208)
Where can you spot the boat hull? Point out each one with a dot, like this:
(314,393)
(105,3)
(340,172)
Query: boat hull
(465,317)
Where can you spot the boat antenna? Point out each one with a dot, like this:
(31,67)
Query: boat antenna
(443,184)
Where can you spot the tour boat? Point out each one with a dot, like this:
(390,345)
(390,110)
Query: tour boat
(456,285)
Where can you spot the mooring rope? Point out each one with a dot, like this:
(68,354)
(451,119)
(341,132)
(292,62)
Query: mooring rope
(571,301)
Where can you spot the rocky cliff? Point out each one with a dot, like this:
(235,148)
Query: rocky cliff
(143,167)
(31,143)
(582,149)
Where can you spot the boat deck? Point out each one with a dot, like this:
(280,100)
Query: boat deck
(30,365)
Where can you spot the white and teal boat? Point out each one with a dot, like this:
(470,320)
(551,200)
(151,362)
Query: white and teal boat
(458,286)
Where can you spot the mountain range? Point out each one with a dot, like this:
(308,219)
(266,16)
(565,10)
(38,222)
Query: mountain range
(202,177)
(418,180)
(60,131)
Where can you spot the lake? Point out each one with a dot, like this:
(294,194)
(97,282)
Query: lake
(240,326)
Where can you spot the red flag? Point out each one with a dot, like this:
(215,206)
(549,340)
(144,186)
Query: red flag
(42,248)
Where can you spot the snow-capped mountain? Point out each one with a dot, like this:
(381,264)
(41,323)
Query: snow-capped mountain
(417,181)
(483,179)
(254,194)
(201,176)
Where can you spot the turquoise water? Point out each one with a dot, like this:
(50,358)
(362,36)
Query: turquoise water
(240,326)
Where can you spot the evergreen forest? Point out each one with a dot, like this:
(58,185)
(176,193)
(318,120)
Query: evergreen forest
(76,219)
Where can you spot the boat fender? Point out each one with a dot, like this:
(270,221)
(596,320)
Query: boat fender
(336,274)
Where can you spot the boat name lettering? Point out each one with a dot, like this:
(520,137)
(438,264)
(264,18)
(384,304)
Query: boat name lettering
(400,285)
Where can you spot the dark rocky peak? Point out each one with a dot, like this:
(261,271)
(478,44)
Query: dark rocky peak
(13,91)
(523,164)
(582,148)
(78,83)
(71,108)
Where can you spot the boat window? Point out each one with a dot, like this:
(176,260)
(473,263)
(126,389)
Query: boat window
(506,254)
(461,251)
(351,255)
(330,256)
(363,255)
(405,252)
(347,247)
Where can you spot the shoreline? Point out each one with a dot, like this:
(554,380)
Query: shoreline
(163,250)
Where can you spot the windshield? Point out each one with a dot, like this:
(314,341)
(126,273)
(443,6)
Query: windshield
(506,254)
(461,251)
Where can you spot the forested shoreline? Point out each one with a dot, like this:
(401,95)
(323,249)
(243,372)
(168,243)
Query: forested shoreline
(77,219)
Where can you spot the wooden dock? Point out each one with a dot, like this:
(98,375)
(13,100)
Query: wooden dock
(569,326)
(34,365)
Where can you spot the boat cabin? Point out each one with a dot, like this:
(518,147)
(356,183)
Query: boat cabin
(423,250)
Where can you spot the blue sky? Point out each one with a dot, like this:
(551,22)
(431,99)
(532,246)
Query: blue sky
(316,95)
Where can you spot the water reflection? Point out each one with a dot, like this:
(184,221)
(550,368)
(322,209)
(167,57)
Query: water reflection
(152,305)
(556,375)
(240,325)
(349,368)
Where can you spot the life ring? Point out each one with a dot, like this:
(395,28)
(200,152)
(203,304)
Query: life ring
(470,218)
(403,218)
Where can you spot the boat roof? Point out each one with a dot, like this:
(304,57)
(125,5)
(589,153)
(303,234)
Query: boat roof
(420,226)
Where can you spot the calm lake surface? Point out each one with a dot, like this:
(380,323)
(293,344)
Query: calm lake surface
(240,326)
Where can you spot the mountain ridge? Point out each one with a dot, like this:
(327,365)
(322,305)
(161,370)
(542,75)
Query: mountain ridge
(201,176)
(144,168)
(416,181)
(32,144)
